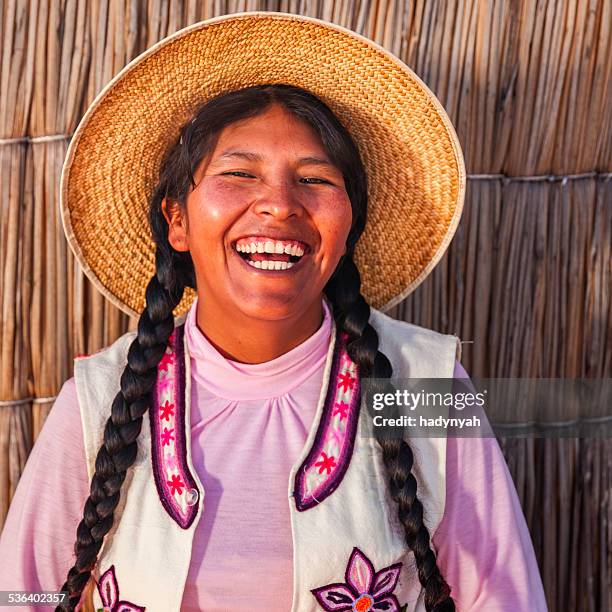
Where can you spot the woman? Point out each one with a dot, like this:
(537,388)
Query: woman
(192,428)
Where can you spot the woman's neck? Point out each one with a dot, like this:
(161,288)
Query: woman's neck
(249,340)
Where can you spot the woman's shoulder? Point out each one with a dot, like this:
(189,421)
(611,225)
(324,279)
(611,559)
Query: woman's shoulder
(400,334)
(115,354)
(110,356)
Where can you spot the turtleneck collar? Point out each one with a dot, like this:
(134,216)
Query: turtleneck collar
(241,381)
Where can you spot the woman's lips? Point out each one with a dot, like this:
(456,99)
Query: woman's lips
(265,253)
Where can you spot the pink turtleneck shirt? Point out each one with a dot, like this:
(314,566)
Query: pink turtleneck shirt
(249,424)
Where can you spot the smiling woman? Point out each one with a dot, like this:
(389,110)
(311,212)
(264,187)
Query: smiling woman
(228,466)
(245,209)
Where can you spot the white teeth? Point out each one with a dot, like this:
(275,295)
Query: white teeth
(273,247)
(270,265)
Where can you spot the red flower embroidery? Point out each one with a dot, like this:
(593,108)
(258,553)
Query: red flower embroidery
(326,463)
(167,360)
(346,381)
(341,409)
(176,484)
(167,410)
(167,436)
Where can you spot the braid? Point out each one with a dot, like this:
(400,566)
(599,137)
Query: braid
(118,451)
(352,314)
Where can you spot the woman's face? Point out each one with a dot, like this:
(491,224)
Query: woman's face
(268,219)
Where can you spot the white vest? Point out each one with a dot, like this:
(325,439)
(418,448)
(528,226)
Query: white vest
(344,523)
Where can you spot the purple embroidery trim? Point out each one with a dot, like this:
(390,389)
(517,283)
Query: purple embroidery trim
(108,589)
(363,586)
(338,422)
(168,447)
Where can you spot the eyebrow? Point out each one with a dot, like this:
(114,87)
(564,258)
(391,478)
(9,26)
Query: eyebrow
(256,157)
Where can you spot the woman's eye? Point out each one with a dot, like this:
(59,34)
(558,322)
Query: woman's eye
(308,180)
(237,173)
(314,179)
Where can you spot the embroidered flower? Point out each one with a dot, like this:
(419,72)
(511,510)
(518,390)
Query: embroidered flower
(326,463)
(346,381)
(341,408)
(166,411)
(176,484)
(166,360)
(109,594)
(167,436)
(171,462)
(365,590)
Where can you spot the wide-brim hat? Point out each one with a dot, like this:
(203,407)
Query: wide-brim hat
(413,159)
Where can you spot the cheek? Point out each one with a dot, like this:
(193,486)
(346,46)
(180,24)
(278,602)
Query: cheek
(334,223)
(212,210)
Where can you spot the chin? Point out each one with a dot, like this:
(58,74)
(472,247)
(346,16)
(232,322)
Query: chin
(272,306)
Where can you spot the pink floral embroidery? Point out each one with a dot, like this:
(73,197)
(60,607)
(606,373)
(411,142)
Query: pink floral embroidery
(166,411)
(171,461)
(341,409)
(173,480)
(346,381)
(108,589)
(176,484)
(364,589)
(326,463)
(330,454)
(166,360)
(167,436)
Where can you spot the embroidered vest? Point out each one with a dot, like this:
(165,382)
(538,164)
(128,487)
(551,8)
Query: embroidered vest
(349,548)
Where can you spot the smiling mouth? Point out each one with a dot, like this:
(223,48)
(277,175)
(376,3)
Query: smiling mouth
(270,254)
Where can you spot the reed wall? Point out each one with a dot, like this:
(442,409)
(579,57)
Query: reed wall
(526,281)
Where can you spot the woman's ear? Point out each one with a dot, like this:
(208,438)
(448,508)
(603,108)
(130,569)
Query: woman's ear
(177,225)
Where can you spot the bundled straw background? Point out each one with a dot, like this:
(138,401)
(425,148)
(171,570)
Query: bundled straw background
(526,281)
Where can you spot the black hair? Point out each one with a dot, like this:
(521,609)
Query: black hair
(175,272)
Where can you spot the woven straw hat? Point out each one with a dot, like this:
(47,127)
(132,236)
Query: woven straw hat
(413,159)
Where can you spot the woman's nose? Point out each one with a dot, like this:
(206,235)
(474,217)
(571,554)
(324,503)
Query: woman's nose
(280,201)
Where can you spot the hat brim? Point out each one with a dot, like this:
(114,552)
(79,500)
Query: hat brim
(413,159)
